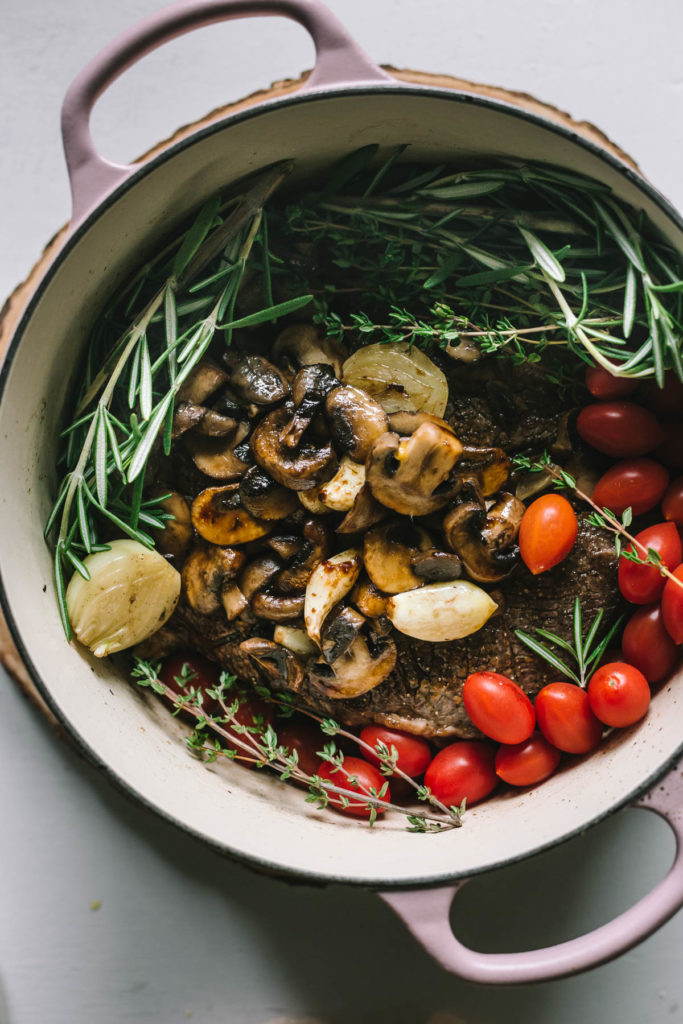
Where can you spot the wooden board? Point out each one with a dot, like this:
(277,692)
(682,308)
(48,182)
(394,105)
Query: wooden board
(17,302)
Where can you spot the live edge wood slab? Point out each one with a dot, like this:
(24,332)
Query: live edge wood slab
(17,302)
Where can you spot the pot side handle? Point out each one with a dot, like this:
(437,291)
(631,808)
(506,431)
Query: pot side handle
(339,61)
(426,914)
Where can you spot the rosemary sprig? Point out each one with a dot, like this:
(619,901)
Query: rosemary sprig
(584,652)
(258,744)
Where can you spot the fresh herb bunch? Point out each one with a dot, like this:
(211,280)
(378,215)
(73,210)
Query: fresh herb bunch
(516,258)
(223,735)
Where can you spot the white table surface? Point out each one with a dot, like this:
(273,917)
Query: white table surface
(181,933)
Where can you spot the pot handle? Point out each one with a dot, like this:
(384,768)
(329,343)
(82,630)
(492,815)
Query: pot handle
(426,914)
(339,61)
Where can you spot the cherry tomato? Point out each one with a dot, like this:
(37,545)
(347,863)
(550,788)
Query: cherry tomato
(618,694)
(253,713)
(414,753)
(195,671)
(642,584)
(632,483)
(670,451)
(647,645)
(525,764)
(547,532)
(620,429)
(602,384)
(672,606)
(666,401)
(365,776)
(672,502)
(462,771)
(498,707)
(303,735)
(565,718)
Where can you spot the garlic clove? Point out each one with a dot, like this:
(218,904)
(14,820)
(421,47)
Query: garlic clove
(340,492)
(296,640)
(441,611)
(131,593)
(330,582)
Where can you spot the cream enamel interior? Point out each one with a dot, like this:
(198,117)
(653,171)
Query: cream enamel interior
(250,813)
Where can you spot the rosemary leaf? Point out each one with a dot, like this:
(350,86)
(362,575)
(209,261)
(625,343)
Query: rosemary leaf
(543,256)
(547,655)
(196,235)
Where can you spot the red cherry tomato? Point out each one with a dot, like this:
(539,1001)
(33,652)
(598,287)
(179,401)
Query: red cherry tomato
(602,384)
(253,713)
(632,483)
(303,735)
(498,707)
(642,584)
(666,401)
(672,502)
(618,694)
(647,645)
(672,606)
(565,718)
(357,776)
(527,763)
(188,669)
(620,429)
(462,771)
(670,451)
(547,532)
(414,753)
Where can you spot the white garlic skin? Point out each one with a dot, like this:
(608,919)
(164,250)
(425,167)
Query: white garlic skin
(131,593)
(441,611)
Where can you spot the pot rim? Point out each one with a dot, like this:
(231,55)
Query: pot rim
(81,744)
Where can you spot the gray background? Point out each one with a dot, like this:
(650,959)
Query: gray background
(182,934)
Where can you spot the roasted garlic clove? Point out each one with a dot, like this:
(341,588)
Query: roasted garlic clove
(131,593)
(330,582)
(340,493)
(441,611)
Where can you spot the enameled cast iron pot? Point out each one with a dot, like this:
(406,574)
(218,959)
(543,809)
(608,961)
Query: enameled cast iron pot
(119,213)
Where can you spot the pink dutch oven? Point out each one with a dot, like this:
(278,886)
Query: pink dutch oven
(119,213)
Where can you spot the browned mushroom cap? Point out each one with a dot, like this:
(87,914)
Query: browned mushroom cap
(305,346)
(176,536)
(207,573)
(355,419)
(205,379)
(215,457)
(218,517)
(434,566)
(216,424)
(487,468)
(388,550)
(279,664)
(285,544)
(257,380)
(370,601)
(309,388)
(185,417)
(340,630)
(366,664)
(484,540)
(277,607)
(364,513)
(414,475)
(300,468)
(263,497)
(257,574)
(317,545)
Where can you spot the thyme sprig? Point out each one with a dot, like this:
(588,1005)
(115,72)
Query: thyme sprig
(584,651)
(258,744)
(602,518)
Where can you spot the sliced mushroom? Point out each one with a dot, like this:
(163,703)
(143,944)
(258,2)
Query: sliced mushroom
(257,574)
(256,380)
(366,664)
(414,475)
(364,513)
(356,420)
(215,424)
(294,577)
(215,457)
(297,640)
(485,541)
(434,566)
(207,573)
(285,545)
(263,497)
(185,417)
(341,491)
(300,469)
(175,538)
(205,379)
(370,601)
(329,583)
(218,517)
(441,611)
(278,663)
(388,551)
(339,632)
(234,602)
(277,607)
(309,389)
(305,346)
(487,468)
